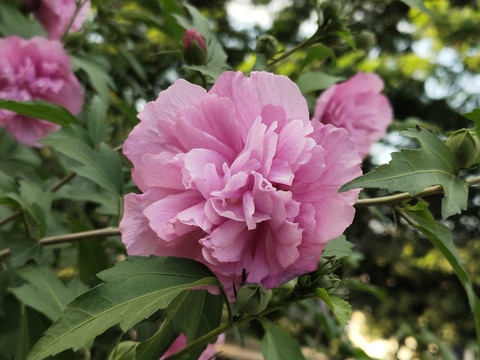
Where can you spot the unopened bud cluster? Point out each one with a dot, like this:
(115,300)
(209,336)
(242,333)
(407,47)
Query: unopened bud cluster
(267,45)
(253,298)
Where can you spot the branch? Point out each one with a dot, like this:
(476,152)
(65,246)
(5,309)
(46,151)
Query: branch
(60,239)
(394,199)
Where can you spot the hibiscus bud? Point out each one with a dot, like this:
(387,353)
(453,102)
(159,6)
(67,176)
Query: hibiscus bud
(364,40)
(194,48)
(336,25)
(253,298)
(267,45)
(330,9)
(466,146)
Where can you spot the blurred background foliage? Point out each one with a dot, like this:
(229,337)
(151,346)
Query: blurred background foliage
(130,50)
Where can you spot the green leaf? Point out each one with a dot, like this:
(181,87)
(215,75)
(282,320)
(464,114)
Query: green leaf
(97,74)
(338,247)
(474,116)
(415,170)
(347,36)
(318,52)
(193,313)
(340,308)
(35,200)
(31,329)
(419,5)
(313,81)
(91,258)
(23,249)
(124,351)
(102,167)
(13,22)
(279,345)
(170,8)
(7,184)
(98,129)
(132,291)
(45,292)
(40,109)
(440,236)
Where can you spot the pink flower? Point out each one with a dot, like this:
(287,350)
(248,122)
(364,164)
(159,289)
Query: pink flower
(238,179)
(358,106)
(181,341)
(32,70)
(192,36)
(56,15)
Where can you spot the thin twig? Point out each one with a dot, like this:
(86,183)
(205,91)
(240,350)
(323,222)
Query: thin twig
(78,7)
(60,239)
(62,182)
(394,199)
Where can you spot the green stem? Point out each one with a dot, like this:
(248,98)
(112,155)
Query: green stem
(78,7)
(227,303)
(394,199)
(61,239)
(210,336)
(301,45)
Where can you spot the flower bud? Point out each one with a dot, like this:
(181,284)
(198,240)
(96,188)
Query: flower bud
(336,25)
(466,146)
(364,40)
(267,45)
(194,48)
(253,298)
(331,9)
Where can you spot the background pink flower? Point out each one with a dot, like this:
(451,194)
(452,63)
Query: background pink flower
(55,15)
(181,341)
(32,70)
(238,179)
(358,106)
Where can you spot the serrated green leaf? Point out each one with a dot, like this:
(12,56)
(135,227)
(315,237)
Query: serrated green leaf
(45,292)
(313,81)
(7,184)
(132,291)
(102,167)
(279,345)
(14,23)
(40,109)
(22,249)
(414,170)
(193,313)
(340,308)
(35,200)
(474,116)
(440,236)
(338,247)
